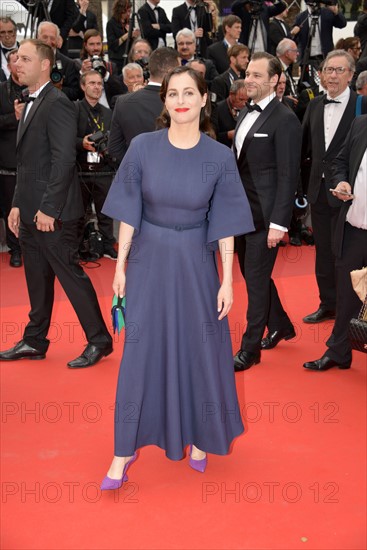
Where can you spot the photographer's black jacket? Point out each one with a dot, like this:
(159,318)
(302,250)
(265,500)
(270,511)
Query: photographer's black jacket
(85,125)
(9,91)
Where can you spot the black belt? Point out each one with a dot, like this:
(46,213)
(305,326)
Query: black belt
(176,227)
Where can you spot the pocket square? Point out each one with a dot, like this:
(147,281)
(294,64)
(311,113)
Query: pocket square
(261,135)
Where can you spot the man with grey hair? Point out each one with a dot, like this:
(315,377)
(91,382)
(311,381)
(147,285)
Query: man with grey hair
(186,47)
(64,74)
(287,53)
(132,75)
(8,42)
(325,125)
(361,84)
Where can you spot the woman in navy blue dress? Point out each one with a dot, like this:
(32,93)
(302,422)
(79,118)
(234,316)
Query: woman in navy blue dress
(178,196)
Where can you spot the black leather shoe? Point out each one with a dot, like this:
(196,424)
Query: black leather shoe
(272,339)
(90,356)
(295,240)
(324,363)
(243,360)
(319,316)
(16,259)
(109,252)
(21,350)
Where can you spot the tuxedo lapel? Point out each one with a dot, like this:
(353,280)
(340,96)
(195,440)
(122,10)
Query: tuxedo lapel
(23,124)
(320,128)
(360,149)
(345,121)
(264,115)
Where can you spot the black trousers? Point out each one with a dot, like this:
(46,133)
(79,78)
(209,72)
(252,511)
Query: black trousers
(50,254)
(7,186)
(348,305)
(324,219)
(96,187)
(264,305)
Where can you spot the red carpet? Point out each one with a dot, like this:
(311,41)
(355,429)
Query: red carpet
(295,479)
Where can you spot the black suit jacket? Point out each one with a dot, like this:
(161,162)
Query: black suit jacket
(269,164)
(84,122)
(133,114)
(63,14)
(313,145)
(221,85)
(225,122)
(9,91)
(276,34)
(327,21)
(85,22)
(345,168)
(218,54)
(46,172)
(181,20)
(70,85)
(147,18)
(238,8)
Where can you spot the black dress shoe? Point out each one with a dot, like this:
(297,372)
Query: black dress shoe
(16,259)
(243,360)
(21,350)
(319,316)
(295,240)
(272,339)
(324,363)
(90,356)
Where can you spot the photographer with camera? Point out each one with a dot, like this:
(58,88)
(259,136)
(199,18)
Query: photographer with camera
(64,74)
(92,59)
(323,20)
(255,16)
(10,90)
(96,168)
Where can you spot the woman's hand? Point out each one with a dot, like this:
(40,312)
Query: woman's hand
(119,282)
(224,299)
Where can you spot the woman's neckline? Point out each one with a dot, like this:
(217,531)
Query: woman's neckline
(184,148)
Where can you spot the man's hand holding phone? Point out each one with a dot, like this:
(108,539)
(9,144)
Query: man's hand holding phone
(343,191)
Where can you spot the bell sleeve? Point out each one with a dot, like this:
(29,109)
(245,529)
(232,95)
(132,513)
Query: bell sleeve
(229,213)
(124,199)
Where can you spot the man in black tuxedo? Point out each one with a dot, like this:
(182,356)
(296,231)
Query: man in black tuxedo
(250,13)
(218,52)
(8,42)
(47,205)
(278,29)
(267,144)
(228,111)
(322,43)
(238,56)
(9,92)
(155,23)
(287,53)
(84,21)
(349,241)
(197,18)
(325,126)
(136,113)
(62,13)
(49,34)
(96,169)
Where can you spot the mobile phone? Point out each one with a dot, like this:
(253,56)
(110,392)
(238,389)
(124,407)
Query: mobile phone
(341,192)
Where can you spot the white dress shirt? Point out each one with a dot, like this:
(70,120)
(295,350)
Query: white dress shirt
(357,213)
(242,132)
(34,95)
(316,48)
(333,113)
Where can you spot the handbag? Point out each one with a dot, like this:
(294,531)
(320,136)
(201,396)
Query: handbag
(358,330)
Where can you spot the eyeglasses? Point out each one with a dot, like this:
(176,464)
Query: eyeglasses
(338,70)
(357,49)
(184,43)
(294,50)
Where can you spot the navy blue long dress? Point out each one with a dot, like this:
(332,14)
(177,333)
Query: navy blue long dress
(176,383)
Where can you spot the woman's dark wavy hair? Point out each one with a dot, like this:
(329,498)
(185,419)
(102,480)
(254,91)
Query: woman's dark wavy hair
(164,120)
(119,8)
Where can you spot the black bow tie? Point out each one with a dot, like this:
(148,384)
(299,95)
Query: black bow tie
(28,99)
(253,107)
(328,101)
(184,61)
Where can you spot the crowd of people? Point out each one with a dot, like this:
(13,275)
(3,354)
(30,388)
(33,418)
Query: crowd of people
(225,100)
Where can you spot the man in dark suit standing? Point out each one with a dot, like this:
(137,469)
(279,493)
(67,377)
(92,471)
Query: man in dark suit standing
(10,90)
(155,23)
(228,111)
(218,52)
(325,126)
(137,112)
(349,241)
(197,18)
(238,56)
(186,47)
(8,42)
(267,144)
(47,205)
(278,29)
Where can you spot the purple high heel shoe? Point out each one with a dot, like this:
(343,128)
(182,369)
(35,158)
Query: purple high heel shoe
(110,484)
(198,465)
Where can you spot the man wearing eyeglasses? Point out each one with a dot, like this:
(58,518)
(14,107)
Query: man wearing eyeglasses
(326,123)
(8,42)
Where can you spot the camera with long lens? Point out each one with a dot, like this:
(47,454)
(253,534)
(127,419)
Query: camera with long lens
(255,6)
(144,64)
(56,73)
(316,7)
(99,65)
(100,141)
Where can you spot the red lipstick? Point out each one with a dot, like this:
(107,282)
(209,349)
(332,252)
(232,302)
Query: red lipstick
(181,110)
